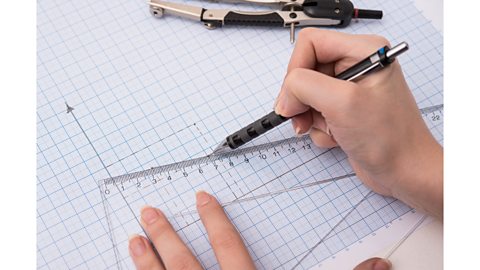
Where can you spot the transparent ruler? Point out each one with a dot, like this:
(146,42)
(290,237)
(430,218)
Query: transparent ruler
(295,204)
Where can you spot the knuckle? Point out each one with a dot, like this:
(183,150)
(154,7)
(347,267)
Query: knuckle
(293,76)
(181,262)
(159,229)
(381,40)
(226,239)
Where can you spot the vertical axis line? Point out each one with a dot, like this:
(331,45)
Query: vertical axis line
(70,110)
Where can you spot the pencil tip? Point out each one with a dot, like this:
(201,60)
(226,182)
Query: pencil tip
(221,148)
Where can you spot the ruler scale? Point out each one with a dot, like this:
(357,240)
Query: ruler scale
(170,187)
(203,160)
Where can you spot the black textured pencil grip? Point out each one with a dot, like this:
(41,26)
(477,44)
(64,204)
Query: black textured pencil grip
(255,129)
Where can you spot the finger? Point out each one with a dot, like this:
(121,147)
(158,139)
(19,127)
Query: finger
(302,122)
(374,264)
(304,88)
(174,253)
(142,253)
(322,139)
(226,242)
(328,69)
(319,46)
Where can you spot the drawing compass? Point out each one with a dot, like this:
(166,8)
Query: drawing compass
(289,13)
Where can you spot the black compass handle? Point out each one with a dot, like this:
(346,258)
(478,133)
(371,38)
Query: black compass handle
(264,19)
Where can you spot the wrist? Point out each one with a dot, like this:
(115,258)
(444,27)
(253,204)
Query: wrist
(419,177)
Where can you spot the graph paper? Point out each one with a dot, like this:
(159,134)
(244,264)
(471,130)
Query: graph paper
(150,92)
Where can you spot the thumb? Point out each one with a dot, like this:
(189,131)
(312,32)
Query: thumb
(304,89)
(374,264)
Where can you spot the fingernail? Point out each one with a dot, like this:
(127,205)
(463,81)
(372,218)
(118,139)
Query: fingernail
(281,102)
(278,98)
(281,105)
(149,215)
(296,127)
(202,198)
(137,245)
(382,264)
(276,101)
(298,132)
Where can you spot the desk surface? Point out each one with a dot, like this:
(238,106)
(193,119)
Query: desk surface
(423,250)
(433,10)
